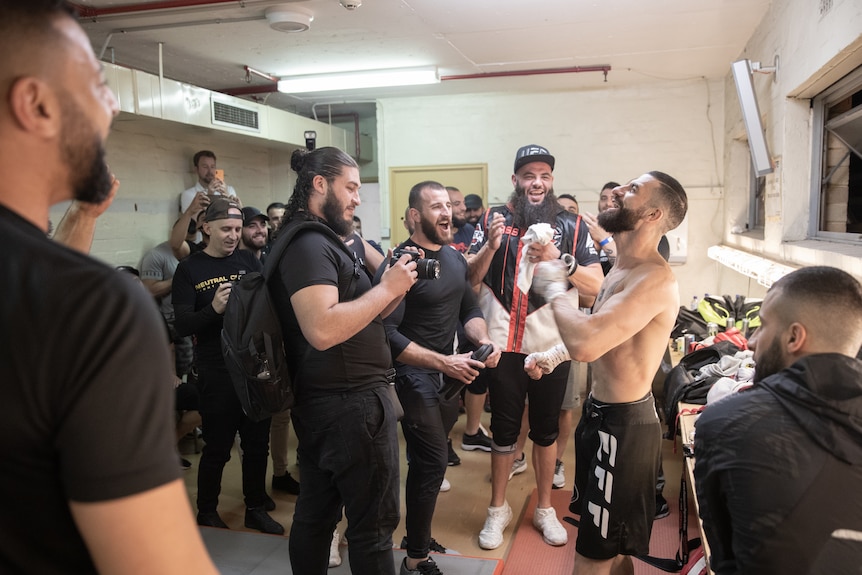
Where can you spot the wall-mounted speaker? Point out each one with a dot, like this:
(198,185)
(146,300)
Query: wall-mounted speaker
(760,158)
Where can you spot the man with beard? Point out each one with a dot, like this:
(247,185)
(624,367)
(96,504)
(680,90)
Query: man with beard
(201,288)
(421,334)
(778,467)
(618,440)
(82,343)
(474,210)
(254,232)
(338,357)
(607,257)
(208,181)
(520,323)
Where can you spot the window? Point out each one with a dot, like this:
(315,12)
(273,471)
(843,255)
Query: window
(837,162)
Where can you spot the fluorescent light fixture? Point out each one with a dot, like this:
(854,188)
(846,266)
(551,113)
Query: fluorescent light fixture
(361,79)
(765,271)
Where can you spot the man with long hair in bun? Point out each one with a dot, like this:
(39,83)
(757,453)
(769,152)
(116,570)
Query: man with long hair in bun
(338,357)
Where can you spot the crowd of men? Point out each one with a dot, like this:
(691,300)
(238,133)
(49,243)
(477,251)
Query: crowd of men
(370,336)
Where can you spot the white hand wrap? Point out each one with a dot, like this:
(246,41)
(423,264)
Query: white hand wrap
(549,360)
(550,280)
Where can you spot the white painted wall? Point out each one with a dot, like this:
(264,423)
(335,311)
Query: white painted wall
(815,51)
(596,136)
(153,161)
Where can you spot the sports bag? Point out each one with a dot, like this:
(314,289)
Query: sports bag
(686,383)
(252,341)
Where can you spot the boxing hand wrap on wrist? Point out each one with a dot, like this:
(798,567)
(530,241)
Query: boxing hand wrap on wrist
(547,361)
(550,280)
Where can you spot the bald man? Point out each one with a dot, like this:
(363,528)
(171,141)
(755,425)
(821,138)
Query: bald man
(779,467)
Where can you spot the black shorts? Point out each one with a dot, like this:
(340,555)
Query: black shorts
(617,448)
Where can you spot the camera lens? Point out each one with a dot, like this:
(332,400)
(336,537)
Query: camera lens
(427,269)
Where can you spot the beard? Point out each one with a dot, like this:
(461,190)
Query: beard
(84,156)
(254,241)
(457,222)
(769,362)
(526,214)
(431,232)
(333,213)
(620,220)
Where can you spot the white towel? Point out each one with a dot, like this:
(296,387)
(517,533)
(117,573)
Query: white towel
(542,233)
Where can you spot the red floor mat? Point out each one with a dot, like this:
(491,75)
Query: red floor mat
(529,554)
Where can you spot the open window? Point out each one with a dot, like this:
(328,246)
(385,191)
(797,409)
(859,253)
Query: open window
(837,160)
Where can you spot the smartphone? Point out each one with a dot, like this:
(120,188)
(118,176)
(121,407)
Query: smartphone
(220,174)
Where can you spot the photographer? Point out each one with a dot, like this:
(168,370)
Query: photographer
(421,334)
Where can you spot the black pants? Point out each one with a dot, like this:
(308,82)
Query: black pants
(428,418)
(222,420)
(348,453)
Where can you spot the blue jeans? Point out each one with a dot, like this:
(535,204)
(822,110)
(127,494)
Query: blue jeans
(348,454)
(428,418)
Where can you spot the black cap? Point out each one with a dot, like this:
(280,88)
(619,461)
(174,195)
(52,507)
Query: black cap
(533,153)
(472,201)
(249,213)
(219,209)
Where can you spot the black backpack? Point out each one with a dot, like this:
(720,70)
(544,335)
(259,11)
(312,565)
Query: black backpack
(252,341)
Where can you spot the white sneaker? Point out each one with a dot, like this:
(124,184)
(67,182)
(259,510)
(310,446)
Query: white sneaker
(445,485)
(334,552)
(518,466)
(553,533)
(491,535)
(559,475)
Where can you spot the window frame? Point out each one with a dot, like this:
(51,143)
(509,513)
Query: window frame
(843,88)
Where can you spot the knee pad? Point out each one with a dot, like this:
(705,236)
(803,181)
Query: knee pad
(503,449)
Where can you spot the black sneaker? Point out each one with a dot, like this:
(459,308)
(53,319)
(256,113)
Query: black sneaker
(268,504)
(433,546)
(476,441)
(427,567)
(662,509)
(453,457)
(258,518)
(285,483)
(211,519)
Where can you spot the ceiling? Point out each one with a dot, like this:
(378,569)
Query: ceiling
(210,43)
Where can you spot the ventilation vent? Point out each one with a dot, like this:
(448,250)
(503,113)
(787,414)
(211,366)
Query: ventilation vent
(235,116)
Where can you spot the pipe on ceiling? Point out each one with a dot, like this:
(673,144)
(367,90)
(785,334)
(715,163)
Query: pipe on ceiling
(94,12)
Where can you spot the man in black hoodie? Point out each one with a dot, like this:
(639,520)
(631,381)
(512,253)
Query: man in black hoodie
(779,467)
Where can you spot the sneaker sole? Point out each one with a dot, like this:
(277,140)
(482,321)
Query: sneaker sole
(469,447)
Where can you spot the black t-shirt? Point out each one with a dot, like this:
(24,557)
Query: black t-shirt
(358,363)
(194,286)
(430,312)
(86,396)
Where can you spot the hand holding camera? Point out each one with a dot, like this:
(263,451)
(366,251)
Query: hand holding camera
(426,268)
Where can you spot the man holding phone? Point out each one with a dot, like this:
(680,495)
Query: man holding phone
(210,181)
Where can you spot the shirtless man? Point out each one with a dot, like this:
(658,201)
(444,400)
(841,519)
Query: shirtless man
(618,440)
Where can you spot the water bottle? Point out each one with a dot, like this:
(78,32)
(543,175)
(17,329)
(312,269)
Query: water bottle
(693,305)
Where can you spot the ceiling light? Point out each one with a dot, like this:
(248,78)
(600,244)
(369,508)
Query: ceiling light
(363,79)
(288,18)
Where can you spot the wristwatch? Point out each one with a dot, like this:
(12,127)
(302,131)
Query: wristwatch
(570,261)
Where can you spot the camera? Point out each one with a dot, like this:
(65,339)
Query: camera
(426,268)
